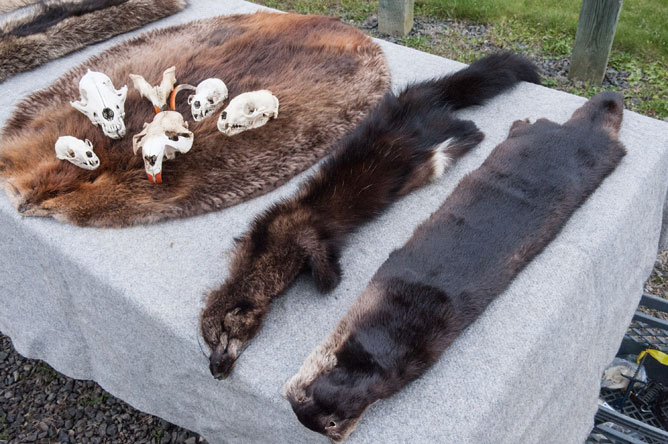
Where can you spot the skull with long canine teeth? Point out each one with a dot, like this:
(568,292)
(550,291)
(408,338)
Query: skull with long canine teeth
(77,152)
(209,95)
(161,139)
(158,94)
(102,103)
(248,111)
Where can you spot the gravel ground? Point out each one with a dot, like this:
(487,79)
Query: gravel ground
(39,405)
(452,38)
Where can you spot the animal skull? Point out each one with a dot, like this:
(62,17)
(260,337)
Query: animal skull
(162,138)
(209,94)
(103,104)
(77,152)
(248,111)
(158,94)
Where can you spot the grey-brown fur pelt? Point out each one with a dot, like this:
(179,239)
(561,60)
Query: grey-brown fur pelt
(407,141)
(466,254)
(326,75)
(12,5)
(47,30)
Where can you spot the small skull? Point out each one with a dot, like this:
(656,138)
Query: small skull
(248,111)
(102,103)
(160,139)
(77,152)
(209,95)
(158,94)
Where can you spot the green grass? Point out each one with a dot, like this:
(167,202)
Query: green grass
(546,28)
(4,434)
(642,27)
(85,401)
(45,371)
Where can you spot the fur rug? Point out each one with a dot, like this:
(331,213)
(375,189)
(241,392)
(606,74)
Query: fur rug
(326,75)
(49,29)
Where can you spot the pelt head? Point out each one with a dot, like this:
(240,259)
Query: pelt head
(227,327)
(234,312)
(332,403)
(265,261)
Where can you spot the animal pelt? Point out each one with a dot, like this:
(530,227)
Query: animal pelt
(49,29)
(326,75)
(407,141)
(12,5)
(466,254)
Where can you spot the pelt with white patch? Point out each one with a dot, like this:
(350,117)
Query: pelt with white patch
(408,140)
(465,255)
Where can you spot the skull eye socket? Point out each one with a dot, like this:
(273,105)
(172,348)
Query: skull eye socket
(107,113)
(223,115)
(197,104)
(210,101)
(89,154)
(174,137)
(332,424)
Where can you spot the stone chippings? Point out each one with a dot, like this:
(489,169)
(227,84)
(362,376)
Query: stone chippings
(470,36)
(39,405)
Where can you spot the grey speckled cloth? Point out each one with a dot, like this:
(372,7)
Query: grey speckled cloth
(121,306)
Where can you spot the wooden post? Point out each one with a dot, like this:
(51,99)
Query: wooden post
(395,17)
(593,39)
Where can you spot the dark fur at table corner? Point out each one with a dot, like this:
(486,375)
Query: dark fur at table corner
(35,34)
(306,61)
(407,141)
(467,253)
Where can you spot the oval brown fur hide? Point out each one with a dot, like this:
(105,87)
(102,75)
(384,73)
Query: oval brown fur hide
(326,75)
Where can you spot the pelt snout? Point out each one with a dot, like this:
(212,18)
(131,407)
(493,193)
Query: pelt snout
(221,363)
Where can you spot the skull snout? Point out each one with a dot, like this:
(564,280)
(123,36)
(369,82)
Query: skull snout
(107,113)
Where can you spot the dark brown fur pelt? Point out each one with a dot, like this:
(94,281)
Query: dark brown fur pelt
(47,30)
(326,75)
(408,140)
(466,254)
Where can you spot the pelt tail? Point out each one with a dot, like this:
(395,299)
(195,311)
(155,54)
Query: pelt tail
(485,79)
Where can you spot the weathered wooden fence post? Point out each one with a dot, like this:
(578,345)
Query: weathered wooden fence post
(395,17)
(593,39)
